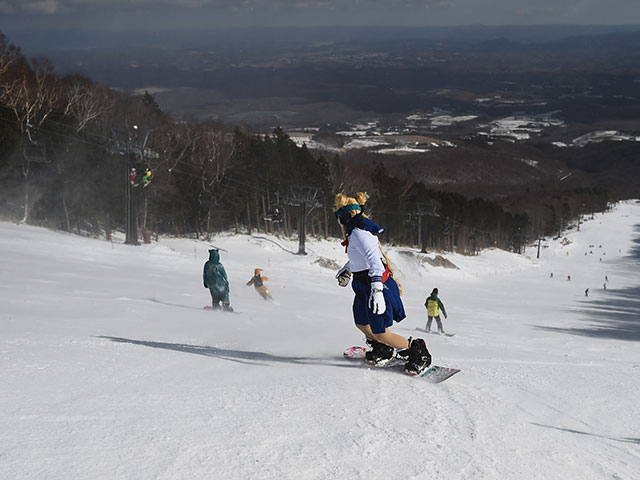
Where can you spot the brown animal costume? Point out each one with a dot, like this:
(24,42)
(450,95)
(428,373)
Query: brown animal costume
(258,282)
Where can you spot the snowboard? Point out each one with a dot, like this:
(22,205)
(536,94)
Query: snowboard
(209,307)
(433,332)
(433,374)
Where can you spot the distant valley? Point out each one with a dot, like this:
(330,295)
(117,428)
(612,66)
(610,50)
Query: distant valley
(495,107)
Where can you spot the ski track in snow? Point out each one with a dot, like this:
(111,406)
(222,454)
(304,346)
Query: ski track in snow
(111,368)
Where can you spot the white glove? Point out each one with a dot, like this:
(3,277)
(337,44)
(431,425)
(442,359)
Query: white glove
(376,299)
(343,276)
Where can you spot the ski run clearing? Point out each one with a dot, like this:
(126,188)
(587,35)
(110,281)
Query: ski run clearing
(111,368)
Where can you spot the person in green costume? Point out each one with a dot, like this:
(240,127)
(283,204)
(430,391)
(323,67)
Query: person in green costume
(434,305)
(215,279)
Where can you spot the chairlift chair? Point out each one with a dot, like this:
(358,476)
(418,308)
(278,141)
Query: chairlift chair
(208,203)
(274,215)
(35,153)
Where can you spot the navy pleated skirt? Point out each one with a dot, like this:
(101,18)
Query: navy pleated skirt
(363,315)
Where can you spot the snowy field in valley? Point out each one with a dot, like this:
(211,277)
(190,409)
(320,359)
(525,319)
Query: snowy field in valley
(111,369)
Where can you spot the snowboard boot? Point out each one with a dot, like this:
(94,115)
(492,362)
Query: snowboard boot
(380,353)
(227,308)
(418,357)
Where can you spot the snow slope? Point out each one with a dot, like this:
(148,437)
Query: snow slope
(111,369)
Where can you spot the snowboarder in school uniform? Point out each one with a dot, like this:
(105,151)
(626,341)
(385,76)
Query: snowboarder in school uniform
(434,305)
(258,282)
(377,302)
(214,277)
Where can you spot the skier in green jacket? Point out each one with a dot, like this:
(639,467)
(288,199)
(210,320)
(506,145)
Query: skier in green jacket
(434,305)
(215,279)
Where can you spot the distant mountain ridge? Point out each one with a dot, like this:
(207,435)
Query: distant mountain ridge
(40,40)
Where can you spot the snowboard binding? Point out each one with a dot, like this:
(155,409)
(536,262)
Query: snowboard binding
(380,353)
(418,357)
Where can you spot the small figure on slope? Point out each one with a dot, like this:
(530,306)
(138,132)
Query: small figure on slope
(377,302)
(214,277)
(258,282)
(146,178)
(133,176)
(434,305)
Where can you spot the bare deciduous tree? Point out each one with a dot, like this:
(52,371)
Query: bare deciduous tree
(84,101)
(10,56)
(215,152)
(32,96)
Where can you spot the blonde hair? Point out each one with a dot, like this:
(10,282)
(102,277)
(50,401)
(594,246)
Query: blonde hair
(343,200)
(359,199)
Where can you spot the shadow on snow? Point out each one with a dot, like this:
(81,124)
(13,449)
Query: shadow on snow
(578,432)
(240,356)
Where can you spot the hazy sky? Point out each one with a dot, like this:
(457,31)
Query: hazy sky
(151,14)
